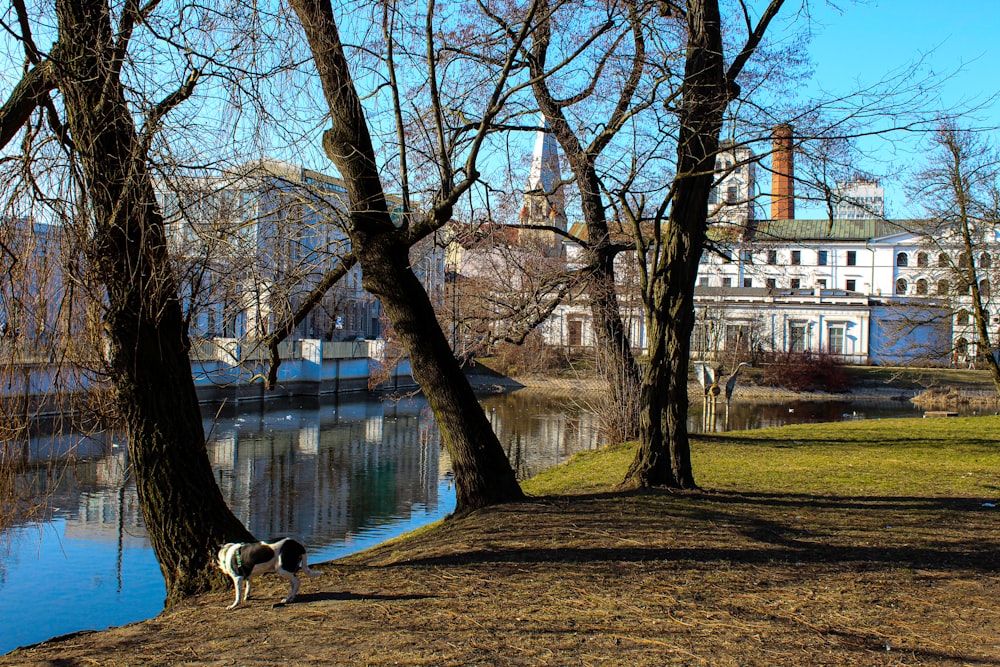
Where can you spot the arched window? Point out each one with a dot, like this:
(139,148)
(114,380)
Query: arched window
(943,260)
(985,261)
(921,286)
(962,318)
(902,259)
(943,287)
(901,286)
(984,288)
(963,260)
(921,259)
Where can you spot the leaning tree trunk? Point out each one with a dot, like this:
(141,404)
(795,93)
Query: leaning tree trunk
(483,475)
(664,456)
(185,514)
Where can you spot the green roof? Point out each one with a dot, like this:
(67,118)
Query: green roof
(826,230)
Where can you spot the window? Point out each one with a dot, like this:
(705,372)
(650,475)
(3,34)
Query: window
(962,318)
(796,257)
(795,283)
(713,196)
(901,286)
(772,257)
(770,283)
(902,259)
(727,282)
(850,285)
(821,257)
(746,256)
(984,288)
(852,257)
(732,194)
(985,261)
(821,283)
(703,282)
(921,259)
(943,260)
(963,260)
(797,332)
(835,339)
(748,282)
(921,286)
(943,287)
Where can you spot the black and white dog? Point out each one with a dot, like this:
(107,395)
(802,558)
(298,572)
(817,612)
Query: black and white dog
(243,560)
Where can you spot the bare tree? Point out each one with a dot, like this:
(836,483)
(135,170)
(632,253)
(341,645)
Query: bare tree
(960,192)
(677,236)
(483,474)
(113,216)
(583,146)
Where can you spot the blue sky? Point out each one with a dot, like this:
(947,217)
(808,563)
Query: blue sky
(958,40)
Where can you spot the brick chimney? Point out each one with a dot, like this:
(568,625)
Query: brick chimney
(782,174)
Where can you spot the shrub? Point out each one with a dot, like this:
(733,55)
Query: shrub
(807,372)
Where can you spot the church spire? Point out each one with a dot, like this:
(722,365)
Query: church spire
(543,197)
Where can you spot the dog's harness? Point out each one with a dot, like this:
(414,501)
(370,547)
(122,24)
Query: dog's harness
(243,563)
(236,561)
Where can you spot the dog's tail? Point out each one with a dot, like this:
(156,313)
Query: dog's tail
(305,568)
(306,571)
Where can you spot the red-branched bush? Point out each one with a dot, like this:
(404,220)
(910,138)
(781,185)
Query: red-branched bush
(807,372)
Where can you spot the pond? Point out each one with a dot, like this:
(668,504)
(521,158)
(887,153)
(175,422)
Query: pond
(342,476)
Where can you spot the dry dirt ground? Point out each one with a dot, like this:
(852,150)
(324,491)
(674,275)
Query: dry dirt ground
(720,579)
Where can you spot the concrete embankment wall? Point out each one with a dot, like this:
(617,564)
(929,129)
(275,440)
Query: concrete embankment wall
(228,369)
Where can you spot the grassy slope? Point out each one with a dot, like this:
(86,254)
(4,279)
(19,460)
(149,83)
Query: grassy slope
(893,457)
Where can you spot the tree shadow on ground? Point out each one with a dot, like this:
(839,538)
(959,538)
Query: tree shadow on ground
(925,533)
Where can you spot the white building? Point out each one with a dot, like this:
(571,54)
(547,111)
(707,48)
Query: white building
(732,197)
(251,244)
(859,199)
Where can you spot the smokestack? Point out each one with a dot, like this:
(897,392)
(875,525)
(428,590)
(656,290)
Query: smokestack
(782,174)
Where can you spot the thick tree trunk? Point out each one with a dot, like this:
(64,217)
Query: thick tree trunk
(185,513)
(664,456)
(483,475)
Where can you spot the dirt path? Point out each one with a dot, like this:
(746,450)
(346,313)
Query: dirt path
(651,579)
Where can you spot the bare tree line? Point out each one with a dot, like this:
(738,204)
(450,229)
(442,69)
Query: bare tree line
(112,102)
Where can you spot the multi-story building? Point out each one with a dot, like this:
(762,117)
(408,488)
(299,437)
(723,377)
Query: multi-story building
(251,244)
(859,199)
(732,199)
(862,288)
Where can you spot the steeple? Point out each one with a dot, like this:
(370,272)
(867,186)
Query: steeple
(543,197)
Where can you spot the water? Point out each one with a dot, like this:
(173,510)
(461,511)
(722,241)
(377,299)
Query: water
(342,476)
(746,416)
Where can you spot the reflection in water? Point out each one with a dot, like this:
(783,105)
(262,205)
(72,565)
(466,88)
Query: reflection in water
(741,416)
(538,430)
(341,476)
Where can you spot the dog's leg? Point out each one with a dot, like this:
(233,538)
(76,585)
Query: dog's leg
(293,583)
(238,584)
(246,592)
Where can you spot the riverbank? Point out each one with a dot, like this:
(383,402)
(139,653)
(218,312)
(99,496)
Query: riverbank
(928,388)
(863,543)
